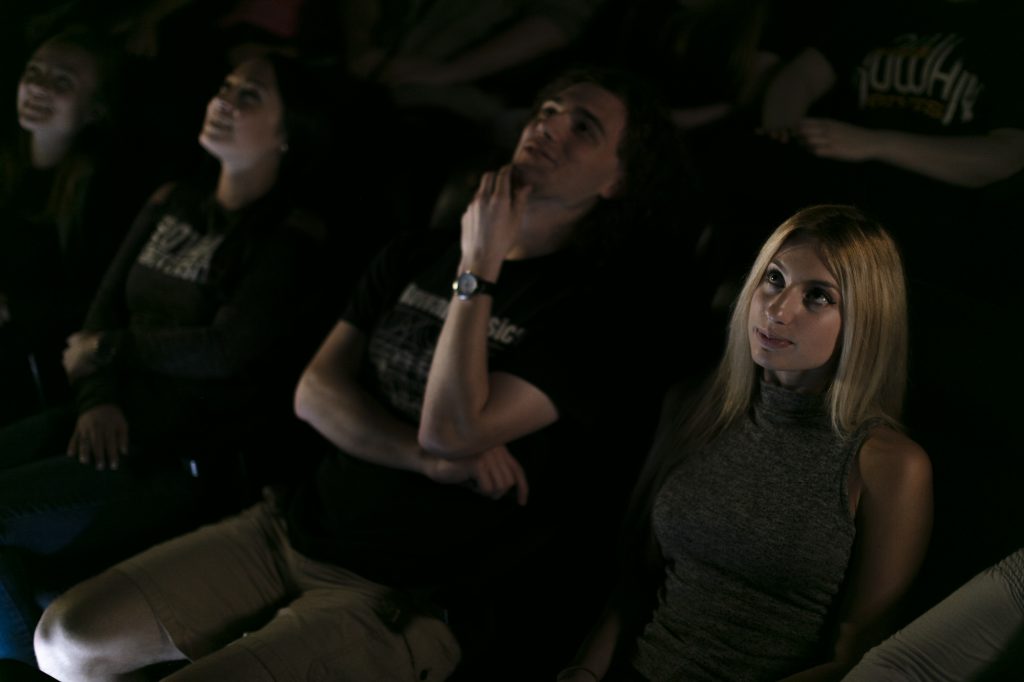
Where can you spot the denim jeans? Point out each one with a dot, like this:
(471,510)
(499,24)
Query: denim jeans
(61,521)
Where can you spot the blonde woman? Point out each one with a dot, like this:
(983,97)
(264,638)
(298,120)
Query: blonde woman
(782,513)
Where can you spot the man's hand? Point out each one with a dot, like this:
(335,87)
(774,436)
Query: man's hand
(80,355)
(492,223)
(831,139)
(492,473)
(100,437)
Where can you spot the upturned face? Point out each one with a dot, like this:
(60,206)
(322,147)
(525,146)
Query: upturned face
(56,93)
(244,121)
(568,152)
(796,318)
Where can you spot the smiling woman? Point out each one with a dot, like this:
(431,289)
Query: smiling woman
(244,123)
(56,94)
(63,208)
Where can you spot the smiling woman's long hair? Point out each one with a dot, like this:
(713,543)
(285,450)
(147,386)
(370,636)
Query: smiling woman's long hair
(76,169)
(871,374)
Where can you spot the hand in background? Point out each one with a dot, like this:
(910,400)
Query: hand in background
(80,355)
(100,437)
(832,139)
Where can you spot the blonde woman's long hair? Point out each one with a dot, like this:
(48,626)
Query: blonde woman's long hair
(871,373)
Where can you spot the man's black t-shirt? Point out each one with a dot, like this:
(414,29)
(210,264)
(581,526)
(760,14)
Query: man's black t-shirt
(402,529)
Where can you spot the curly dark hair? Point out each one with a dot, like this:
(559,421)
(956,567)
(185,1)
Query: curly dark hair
(658,192)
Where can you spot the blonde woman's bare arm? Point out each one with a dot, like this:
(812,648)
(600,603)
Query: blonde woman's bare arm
(892,493)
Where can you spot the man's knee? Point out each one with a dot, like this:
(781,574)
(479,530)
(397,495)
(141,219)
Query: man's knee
(101,627)
(64,638)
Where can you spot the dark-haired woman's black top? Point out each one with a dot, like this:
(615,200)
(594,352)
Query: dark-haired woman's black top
(203,307)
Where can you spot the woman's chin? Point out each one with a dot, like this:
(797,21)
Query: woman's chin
(216,143)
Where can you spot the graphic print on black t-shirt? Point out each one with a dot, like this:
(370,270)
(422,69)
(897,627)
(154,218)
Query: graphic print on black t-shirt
(176,249)
(922,73)
(402,346)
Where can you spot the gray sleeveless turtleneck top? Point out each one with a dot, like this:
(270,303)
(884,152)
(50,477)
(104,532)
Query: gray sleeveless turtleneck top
(756,533)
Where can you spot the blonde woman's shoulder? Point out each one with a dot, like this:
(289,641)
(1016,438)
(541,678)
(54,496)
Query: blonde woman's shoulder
(893,469)
(887,452)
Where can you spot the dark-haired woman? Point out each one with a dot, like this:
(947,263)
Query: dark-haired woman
(196,323)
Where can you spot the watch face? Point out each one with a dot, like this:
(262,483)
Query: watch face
(467,285)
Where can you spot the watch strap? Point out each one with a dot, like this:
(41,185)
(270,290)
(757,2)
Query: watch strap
(468,284)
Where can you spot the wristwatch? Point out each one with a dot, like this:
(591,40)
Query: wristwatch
(467,285)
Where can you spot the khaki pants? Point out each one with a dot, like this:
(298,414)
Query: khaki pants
(243,605)
(958,637)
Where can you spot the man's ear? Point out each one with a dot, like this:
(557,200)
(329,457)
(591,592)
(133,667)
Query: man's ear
(613,188)
(282,135)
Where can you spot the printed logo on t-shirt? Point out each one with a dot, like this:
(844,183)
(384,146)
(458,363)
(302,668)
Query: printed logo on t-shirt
(500,330)
(402,346)
(177,250)
(923,74)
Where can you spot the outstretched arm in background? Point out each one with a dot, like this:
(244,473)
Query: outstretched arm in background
(962,160)
(796,86)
